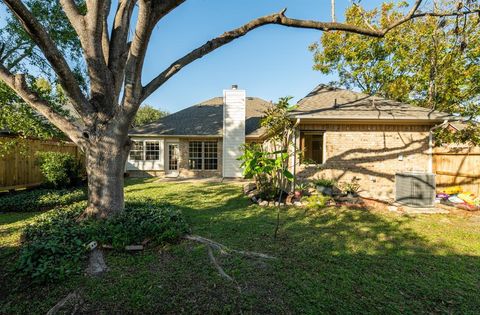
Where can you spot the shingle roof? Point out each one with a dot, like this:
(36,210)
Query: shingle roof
(205,119)
(327,102)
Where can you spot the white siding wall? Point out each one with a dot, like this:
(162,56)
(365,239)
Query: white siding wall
(233,131)
(144,165)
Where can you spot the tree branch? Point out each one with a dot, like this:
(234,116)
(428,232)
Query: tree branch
(118,50)
(18,84)
(225,38)
(281,19)
(40,36)
(149,13)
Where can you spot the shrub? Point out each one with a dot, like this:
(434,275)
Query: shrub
(54,246)
(40,199)
(317,201)
(59,169)
(324,182)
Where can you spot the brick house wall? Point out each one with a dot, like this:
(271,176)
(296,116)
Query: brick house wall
(372,153)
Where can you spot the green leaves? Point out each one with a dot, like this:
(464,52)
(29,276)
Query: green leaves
(421,62)
(147,114)
(60,169)
(54,246)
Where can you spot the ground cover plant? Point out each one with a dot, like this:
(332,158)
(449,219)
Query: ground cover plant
(330,260)
(40,199)
(55,245)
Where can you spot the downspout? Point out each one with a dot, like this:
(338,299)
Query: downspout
(430,144)
(295,154)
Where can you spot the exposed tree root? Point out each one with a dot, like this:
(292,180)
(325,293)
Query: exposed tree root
(224,250)
(96,263)
(73,300)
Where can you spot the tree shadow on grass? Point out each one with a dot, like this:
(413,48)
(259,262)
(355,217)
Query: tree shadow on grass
(346,261)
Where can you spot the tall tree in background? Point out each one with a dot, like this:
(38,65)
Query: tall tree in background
(17,52)
(428,62)
(148,114)
(114,62)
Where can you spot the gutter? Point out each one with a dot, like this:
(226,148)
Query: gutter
(430,144)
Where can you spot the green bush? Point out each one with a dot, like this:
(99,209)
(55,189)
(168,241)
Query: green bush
(40,199)
(59,169)
(54,247)
(324,182)
(317,201)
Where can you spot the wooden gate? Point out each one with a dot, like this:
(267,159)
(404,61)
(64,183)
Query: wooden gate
(457,166)
(18,169)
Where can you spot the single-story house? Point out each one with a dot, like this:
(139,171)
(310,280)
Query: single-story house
(341,134)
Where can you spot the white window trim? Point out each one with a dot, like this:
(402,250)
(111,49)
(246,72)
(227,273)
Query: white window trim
(144,142)
(203,156)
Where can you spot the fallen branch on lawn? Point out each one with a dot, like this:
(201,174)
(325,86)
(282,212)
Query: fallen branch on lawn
(224,250)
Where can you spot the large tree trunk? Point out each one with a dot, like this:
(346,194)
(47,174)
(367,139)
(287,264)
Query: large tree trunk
(105,164)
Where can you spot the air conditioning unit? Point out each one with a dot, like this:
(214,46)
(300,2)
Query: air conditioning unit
(415,189)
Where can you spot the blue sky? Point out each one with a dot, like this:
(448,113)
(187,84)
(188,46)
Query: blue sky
(269,62)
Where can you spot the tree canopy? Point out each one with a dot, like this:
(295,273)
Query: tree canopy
(18,52)
(147,114)
(428,62)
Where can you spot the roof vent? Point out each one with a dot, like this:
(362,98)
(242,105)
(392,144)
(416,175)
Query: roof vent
(234,86)
(335,105)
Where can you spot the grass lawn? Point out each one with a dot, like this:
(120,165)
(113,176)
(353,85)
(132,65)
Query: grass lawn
(329,261)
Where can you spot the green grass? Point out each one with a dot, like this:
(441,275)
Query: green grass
(329,261)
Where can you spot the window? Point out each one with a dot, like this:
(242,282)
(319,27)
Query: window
(195,155)
(210,155)
(145,150)
(311,144)
(152,150)
(136,153)
(203,155)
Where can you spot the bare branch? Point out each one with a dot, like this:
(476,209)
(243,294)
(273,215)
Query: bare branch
(18,84)
(53,55)
(73,14)
(225,38)
(149,13)
(92,32)
(118,50)
(281,19)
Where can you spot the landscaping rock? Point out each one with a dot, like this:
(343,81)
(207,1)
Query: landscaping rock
(264,203)
(252,193)
(392,208)
(134,247)
(297,204)
(249,187)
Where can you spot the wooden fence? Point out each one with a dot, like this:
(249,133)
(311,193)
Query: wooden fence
(18,169)
(457,166)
